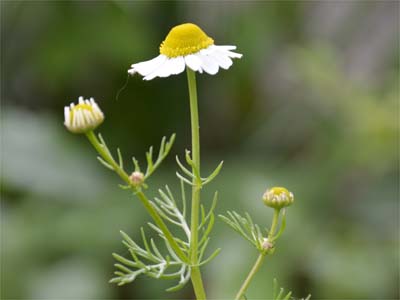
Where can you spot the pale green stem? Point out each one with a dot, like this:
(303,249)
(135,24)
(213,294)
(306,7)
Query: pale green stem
(275,220)
(142,197)
(249,277)
(194,116)
(260,258)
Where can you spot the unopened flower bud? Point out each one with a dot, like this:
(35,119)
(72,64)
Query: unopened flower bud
(83,117)
(278,197)
(266,244)
(137,178)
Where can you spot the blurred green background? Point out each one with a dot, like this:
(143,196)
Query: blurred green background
(312,105)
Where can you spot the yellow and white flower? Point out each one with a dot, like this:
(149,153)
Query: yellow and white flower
(186,45)
(83,117)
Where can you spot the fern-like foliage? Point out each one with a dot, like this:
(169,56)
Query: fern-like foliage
(152,164)
(245,227)
(167,208)
(251,231)
(205,227)
(193,177)
(148,260)
(280,294)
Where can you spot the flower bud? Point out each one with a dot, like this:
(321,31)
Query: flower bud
(278,197)
(137,178)
(83,117)
(266,244)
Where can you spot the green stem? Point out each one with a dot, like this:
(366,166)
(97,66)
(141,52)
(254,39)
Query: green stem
(107,157)
(194,116)
(275,220)
(249,277)
(161,224)
(260,258)
(142,197)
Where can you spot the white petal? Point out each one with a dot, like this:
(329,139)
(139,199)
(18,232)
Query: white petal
(161,69)
(146,67)
(67,117)
(177,65)
(171,66)
(151,75)
(193,62)
(166,69)
(208,50)
(222,59)
(225,47)
(233,54)
(208,64)
(226,50)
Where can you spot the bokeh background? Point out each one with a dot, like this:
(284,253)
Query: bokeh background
(312,105)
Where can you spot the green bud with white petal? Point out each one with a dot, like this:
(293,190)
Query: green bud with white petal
(83,117)
(278,197)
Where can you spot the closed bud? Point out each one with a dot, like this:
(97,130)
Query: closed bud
(266,244)
(278,197)
(137,178)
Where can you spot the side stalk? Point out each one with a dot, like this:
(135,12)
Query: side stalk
(142,197)
(260,258)
(194,116)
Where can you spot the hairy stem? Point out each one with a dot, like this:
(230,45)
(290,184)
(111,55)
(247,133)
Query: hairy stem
(142,197)
(260,258)
(194,116)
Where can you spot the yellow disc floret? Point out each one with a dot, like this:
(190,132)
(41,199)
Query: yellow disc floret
(185,39)
(80,106)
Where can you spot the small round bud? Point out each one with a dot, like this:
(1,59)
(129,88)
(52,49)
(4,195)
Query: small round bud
(278,197)
(266,244)
(137,178)
(83,117)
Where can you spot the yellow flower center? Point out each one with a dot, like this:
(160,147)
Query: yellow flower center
(80,106)
(278,197)
(185,39)
(279,190)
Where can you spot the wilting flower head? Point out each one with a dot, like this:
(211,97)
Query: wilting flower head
(278,197)
(83,117)
(186,45)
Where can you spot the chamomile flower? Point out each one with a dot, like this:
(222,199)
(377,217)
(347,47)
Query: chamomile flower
(83,117)
(186,45)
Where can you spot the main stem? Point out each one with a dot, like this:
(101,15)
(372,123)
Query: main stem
(260,258)
(194,116)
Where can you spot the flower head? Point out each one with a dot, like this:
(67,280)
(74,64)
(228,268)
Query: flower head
(186,45)
(278,197)
(83,117)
